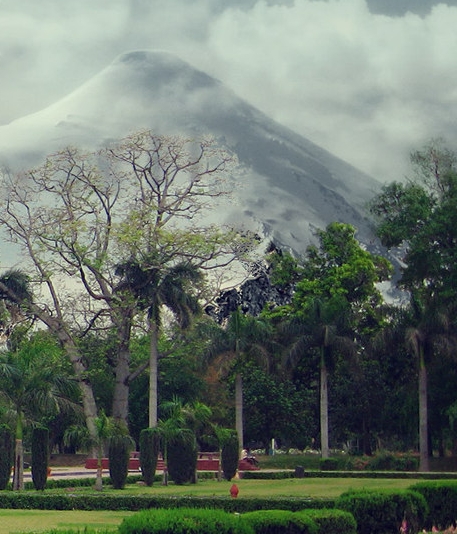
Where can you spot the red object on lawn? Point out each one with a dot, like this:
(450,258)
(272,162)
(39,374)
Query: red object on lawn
(234,491)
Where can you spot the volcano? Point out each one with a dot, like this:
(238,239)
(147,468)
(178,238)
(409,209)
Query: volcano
(291,187)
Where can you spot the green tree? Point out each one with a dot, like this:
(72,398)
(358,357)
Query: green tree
(426,333)
(180,422)
(275,409)
(243,337)
(419,218)
(336,301)
(157,288)
(34,382)
(324,328)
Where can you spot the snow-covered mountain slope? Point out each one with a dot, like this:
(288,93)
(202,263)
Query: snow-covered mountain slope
(290,186)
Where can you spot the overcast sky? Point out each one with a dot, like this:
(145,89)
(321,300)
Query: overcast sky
(369,80)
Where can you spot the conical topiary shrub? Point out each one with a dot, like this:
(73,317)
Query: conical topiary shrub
(6,455)
(182,457)
(230,456)
(119,449)
(40,457)
(149,453)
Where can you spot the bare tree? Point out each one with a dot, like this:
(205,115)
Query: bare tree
(81,215)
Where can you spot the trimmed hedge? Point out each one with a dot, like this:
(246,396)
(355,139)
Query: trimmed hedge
(185,521)
(332,521)
(40,501)
(280,521)
(382,512)
(441,499)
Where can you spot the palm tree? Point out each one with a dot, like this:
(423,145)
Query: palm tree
(242,337)
(423,328)
(14,292)
(322,329)
(33,384)
(156,287)
(427,328)
(180,420)
(106,428)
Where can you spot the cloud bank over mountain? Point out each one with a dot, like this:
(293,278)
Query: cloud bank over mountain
(367,80)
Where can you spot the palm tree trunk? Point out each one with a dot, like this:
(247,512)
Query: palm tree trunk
(18,476)
(99,476)
(153,373)
(324,410)
(424,464)
(239,410)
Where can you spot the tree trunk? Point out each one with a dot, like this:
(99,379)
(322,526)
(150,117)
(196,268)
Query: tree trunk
(87,394)
(79,369)
(18,476)
(424,464)
(239,410)
(123,322)
(121,386)
(153,373)
(99,476)
(324,410)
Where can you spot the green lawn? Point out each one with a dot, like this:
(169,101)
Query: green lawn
(15,521)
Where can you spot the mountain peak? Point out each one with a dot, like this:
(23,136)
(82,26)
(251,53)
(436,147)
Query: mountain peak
(290,185)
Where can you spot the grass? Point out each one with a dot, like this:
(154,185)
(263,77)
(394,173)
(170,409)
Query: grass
(289,487)
(16,521)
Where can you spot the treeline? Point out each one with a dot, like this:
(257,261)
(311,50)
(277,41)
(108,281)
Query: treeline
(116,262)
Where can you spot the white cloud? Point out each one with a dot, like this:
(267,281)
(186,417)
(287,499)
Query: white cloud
(367,87)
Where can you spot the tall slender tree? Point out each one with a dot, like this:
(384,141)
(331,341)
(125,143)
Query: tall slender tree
(418,219)
(242,337)
(156,288)
(325,329)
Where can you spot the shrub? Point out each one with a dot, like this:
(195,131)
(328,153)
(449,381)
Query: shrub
(184,521)
(332,521)
(40,457)
(149,453)
(383,512)
(280,521)
(441,499)
(119,449)
(388,461)
(6,455)
(230,456)
(330,464)
(182,457)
